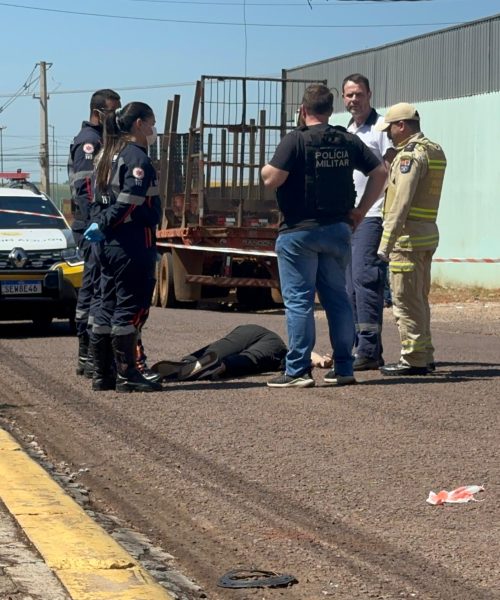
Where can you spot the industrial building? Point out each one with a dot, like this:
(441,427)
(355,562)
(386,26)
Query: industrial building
(453,77)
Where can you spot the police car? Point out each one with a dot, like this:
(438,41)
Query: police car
(40,269)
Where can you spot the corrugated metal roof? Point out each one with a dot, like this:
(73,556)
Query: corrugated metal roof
(459,61)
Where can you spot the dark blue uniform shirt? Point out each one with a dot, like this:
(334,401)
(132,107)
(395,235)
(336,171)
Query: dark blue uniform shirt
(134,209)
(82,152)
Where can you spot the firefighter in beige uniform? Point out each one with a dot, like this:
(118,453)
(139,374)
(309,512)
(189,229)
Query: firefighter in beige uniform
(410,236)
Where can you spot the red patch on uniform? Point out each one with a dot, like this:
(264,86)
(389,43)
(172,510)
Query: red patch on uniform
(138,173)
(88,148)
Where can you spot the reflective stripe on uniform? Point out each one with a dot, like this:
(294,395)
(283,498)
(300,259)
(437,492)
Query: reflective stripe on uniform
(386,236)
(80,175)
(101,328)
(423,213)
(437,165)
(418,241)
(401,267)
(152,190)
(419,345)
(125,198)
(81,315)
(117,330)
(372,327)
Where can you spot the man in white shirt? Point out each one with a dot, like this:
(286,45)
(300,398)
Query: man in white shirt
(366,274)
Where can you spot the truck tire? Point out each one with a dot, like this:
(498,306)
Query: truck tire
(155,298)
(276,296)
(166,282)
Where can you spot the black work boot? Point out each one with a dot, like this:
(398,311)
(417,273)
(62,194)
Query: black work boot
(88,370)
(104,377)
(128,378)
(142,365)
(83,349)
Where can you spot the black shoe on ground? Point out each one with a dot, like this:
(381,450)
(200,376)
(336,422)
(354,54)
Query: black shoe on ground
(197,369)
(332,377)
(431,367)
(402,370)
(363,363)
(284,381)
(136,382)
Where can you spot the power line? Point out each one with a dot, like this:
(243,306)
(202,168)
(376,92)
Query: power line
(24,89)
(231,23)
(338,4)
(118,88)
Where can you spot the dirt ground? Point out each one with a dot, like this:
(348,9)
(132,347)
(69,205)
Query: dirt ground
(328,484)
(446,295)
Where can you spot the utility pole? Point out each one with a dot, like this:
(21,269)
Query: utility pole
(44,131)
(53,178)
(2,127)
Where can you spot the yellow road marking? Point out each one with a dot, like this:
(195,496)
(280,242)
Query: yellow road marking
(88,561)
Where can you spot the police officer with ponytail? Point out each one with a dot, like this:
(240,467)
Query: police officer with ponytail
(126,188)
(312,170)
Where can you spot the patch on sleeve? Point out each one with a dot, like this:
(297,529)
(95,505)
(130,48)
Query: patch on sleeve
(405,165)
(88,148)
(138,173)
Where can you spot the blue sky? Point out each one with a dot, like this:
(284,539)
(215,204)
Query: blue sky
(150,49)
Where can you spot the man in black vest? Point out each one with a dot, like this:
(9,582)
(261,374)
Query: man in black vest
(312,170)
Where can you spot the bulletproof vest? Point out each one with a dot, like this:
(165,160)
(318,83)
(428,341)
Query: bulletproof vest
(329,186)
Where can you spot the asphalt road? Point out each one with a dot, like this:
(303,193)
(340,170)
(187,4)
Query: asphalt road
(328,484)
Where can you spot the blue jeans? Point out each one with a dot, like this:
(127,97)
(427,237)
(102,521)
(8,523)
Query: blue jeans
(309,261)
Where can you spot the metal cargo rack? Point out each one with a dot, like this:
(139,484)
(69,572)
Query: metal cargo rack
(210,177)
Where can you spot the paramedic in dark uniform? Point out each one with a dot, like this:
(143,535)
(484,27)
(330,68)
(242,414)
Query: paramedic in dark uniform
(312,170)
(82,153)
(126,176)
(410,236)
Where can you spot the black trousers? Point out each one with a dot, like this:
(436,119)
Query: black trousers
(91,274)
(246,350)
(127,283)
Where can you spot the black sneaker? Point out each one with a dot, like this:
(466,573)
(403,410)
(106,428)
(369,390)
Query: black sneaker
(332,377)
(284,380)
(402,370)
(363,363)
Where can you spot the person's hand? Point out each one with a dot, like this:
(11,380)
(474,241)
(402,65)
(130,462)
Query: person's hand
(93,234)
(355,216)
(324,362)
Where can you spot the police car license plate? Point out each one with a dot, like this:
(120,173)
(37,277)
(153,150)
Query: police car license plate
(15,288)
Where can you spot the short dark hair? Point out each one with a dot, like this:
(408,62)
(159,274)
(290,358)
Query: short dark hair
(356,78)
(99,99)
(318,99)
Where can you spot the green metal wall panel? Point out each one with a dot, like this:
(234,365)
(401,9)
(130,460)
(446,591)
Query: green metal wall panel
(469,214)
